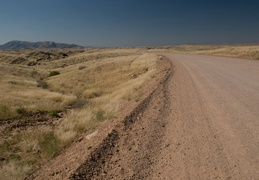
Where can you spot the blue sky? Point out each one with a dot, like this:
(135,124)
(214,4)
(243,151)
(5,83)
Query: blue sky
(103,23)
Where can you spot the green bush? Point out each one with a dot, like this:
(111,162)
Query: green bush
(54,73)
(53,113)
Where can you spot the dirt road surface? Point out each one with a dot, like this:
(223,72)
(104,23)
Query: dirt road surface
(213,128)
(202,122)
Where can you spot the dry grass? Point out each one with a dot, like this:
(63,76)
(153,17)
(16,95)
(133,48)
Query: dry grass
(90,89)
(106,86)
(19,92)
(14,170)
(239,51)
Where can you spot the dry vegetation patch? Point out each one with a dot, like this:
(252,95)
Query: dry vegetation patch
(46,105)
(239,51)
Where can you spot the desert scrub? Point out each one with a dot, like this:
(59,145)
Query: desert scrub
(53,73)
(43,84)
(49,145)
(92,93)
(9,149)
(106,86)
(100,115)
(96,94)
(5,112)
(4,148)
(53,113)
(22,111)
(14,157)
(80,103)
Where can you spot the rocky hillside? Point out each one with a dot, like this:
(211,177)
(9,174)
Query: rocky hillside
(37,45)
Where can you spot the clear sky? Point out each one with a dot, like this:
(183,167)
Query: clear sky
(103,23)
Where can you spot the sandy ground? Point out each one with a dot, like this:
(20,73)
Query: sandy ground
(200,122)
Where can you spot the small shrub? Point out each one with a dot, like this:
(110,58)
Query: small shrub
(134,76)
(57,99)
(42,84)
(145,69)
(81,67)
(95,94)
(5,111)
(100,115)
(54,73)
(13,82)
(40,111)
(137,98)
(80,103)
(4,147)
(14,157)
(22,111)
(49,145)
(54,113)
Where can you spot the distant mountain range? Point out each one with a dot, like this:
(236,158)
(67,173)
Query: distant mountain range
(12,45)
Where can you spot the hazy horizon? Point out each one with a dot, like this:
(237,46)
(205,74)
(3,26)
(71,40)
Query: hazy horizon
(235,43)
(119,23)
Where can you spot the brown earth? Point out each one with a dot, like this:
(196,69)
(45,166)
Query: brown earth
(199,122)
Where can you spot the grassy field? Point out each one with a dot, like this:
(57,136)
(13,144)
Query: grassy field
(238,51)
(50,98)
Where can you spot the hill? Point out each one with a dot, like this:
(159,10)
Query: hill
(38,45)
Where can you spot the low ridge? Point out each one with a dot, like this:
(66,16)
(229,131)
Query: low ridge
(36,45)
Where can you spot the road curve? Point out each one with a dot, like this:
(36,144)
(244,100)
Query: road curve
(213,127)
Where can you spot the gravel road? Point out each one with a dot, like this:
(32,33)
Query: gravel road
(213,128)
